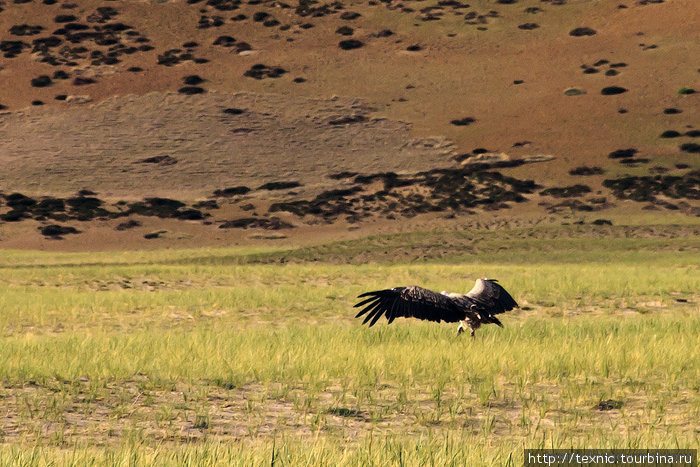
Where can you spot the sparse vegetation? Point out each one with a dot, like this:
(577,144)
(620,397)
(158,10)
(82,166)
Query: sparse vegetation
(192,80)
(582,31)
(260,71)
(528,26)
(86,207)
(345,31)
(130,224)
(271,223)
(690,147)
(82,81)
(408,195)
(57,231)
(567,191)
(612,90)
(250,355)
(585,171)
(350,44)
(212,356)
(231,191)
(647,188)
(463,121)
(622,153)
(41,81)
(279,185)
(191,90)
(162,159)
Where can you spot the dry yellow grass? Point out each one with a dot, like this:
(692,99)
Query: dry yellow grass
(220,356)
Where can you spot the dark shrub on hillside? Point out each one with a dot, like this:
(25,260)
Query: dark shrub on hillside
(273,223)
(350,44)
(225,41)
(191,90)
(260,71)
(86,208)
(82,81)
(349,15)
(19,201)
(232,191)
(622,153)
(190,215)
(41,81)
(612,90)
(348,120)
(25,30)
(60,74)
(206,204)
(579,32)
(130,224)
(690,147)
(463,121)
(192,79)
(646,188)
(528,26)
(49,207)
(14,215)
(584,170)
(161,207)
(384,33)
(279,185)
(64,18)
(57,231)
(567,191)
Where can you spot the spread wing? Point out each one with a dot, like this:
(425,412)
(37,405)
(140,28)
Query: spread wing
(409,302)
(490,297)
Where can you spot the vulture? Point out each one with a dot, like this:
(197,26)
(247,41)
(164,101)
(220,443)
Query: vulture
(478,306)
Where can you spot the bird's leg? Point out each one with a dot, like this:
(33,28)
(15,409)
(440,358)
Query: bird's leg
(460,329)
(473,325)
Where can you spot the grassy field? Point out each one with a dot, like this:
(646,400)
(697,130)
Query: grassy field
(252,356)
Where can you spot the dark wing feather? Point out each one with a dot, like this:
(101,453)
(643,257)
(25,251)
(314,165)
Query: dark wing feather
(409,302)
(489,296)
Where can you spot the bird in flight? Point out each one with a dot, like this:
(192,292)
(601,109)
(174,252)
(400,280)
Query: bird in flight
(478,306)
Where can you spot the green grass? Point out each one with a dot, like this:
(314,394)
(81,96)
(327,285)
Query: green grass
(239,356)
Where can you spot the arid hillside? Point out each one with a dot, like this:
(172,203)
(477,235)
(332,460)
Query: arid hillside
(571,106)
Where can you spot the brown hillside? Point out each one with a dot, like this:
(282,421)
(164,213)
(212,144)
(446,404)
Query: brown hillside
(90,90)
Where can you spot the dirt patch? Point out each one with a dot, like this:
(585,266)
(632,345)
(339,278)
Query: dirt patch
(66,413)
